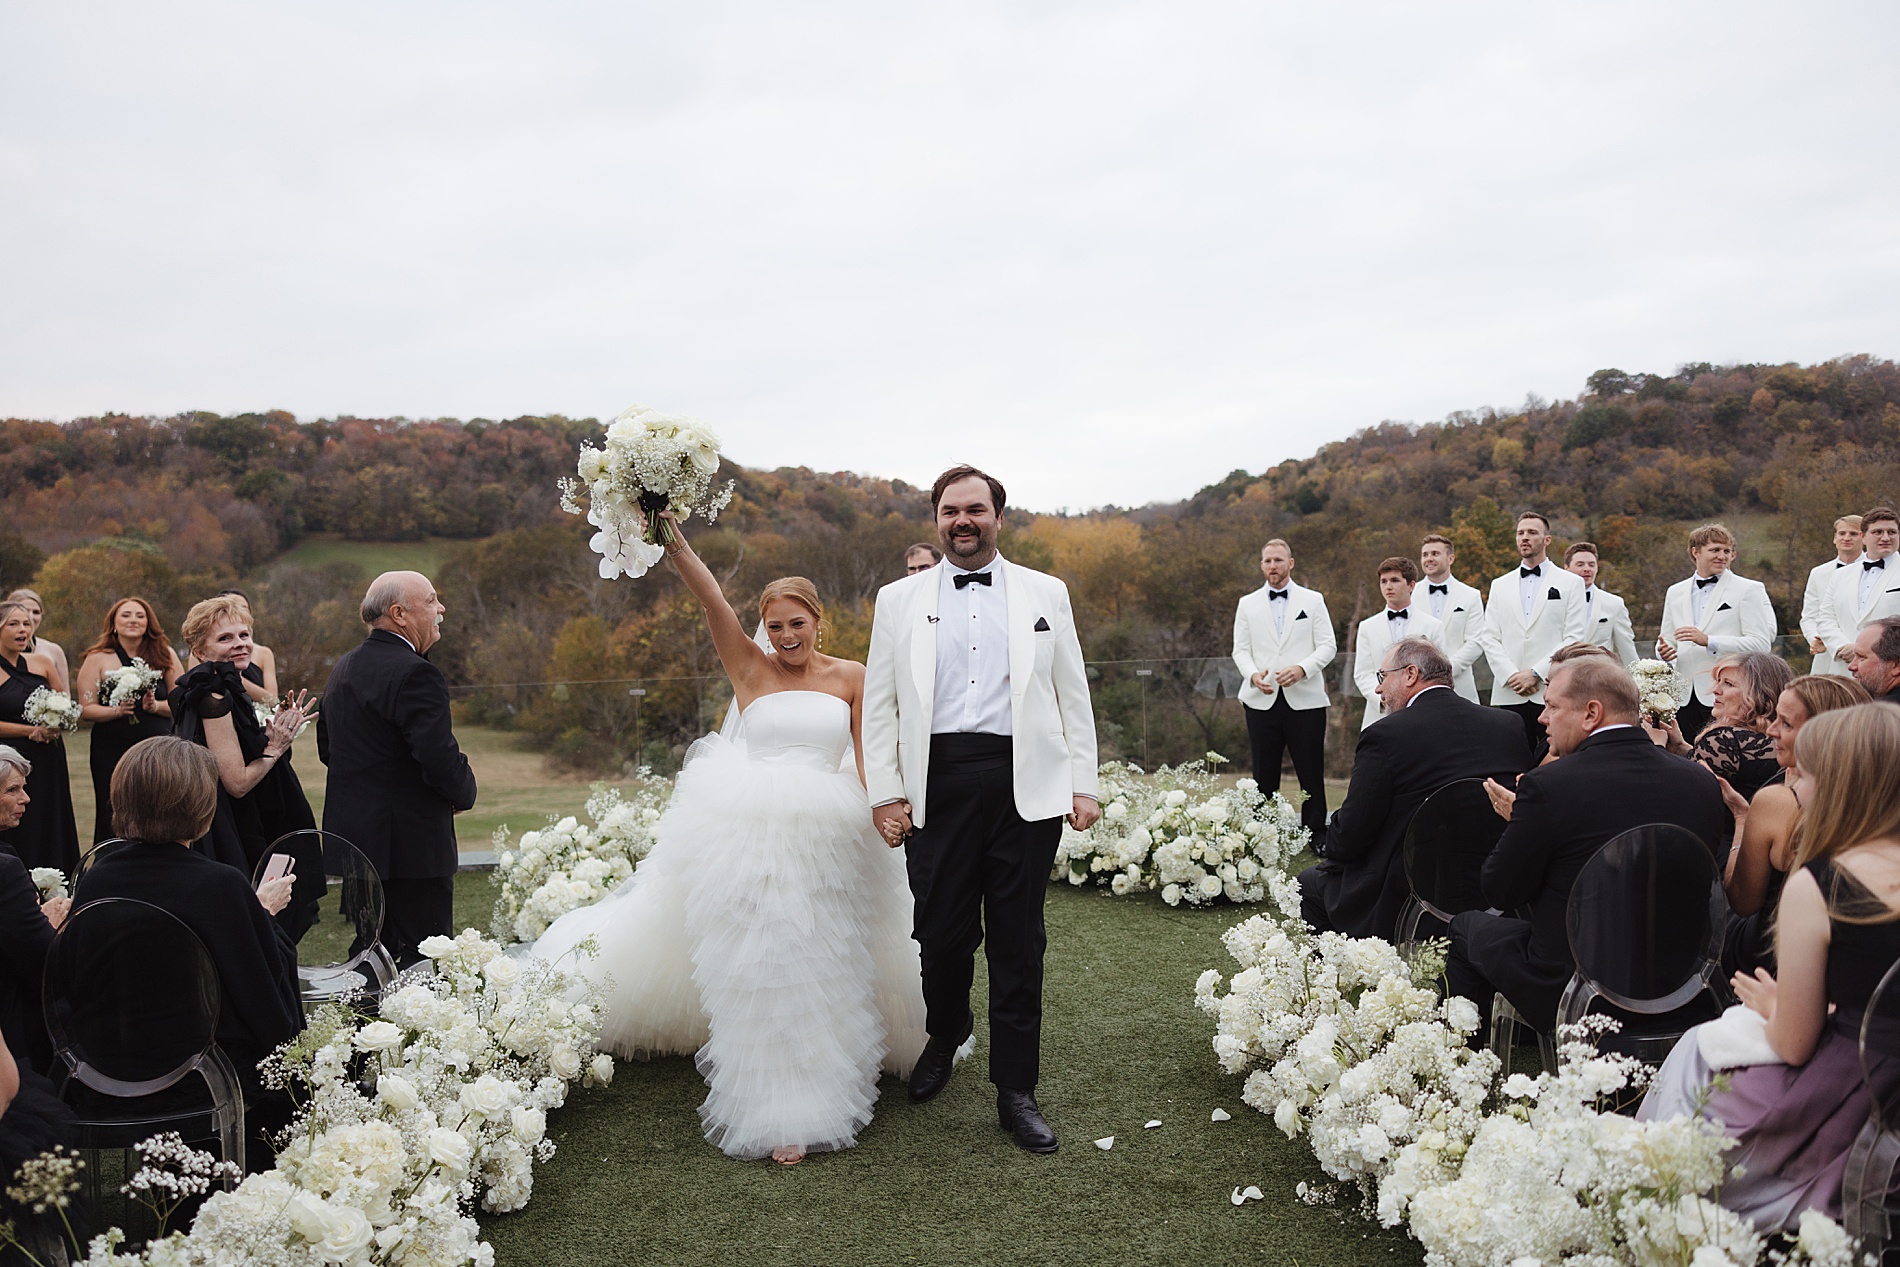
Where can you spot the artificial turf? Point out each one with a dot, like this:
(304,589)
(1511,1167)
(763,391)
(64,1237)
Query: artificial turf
(938,1183)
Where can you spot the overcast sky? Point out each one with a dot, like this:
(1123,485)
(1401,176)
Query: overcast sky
(1109,251)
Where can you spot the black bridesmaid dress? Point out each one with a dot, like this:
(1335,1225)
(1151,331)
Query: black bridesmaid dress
(46,836)
(110,741)
(245,825)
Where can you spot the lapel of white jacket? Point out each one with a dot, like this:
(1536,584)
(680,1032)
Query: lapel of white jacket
(923,639)
(1875,590)
(1020,612)
(1539,593)
(1718,594)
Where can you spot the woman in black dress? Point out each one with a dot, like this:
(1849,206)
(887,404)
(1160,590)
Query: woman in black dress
(259,797)
(131,632)
(46,836)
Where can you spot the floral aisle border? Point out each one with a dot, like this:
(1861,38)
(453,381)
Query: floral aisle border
(405,1121)
(570,864)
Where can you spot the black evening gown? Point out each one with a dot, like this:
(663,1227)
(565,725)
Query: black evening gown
(46,836)
(245,825)
(110,741)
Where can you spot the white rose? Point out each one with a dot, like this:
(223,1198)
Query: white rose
(1171,895)
(348,1239)
(435,947)
(378,1036)
(529,1125)
(1210,886)
(310,1216)
(450,1150)
(1176,797)
(397,1092)
(502,972)
(486,1097)
(1120,884)
(593,464)
(564,1063)
(603,1069)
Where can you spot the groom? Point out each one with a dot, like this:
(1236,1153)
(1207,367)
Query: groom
(978,740)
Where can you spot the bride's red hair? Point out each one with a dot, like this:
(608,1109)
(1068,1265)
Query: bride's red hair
(796,588)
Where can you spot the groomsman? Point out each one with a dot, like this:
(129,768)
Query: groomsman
(1283,637)
(1458,608)
(1709,615)
(1532,611)
(1401,619)
(1863,595)
(1606,615)
(1814,599)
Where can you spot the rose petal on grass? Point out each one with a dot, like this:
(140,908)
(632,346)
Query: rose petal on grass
(1220,1115)
(1149,1126)
(1243,1195)
(1105,1143)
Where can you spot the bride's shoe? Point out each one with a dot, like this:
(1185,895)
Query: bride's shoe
(789,1155)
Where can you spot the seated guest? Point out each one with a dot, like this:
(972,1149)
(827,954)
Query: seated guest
(1764,827)
(1874,659)
(1607,779)
(1542,754)
(1797,1100)
(164,794)
(1735,745)
(32,1121)
(1429,737)
(921,558)
(27,926)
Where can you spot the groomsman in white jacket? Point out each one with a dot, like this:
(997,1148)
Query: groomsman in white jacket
(1459,610)
(1606,615)
(1865,593)
(1283,637)
(1404,617)
(1709,615)
(1532,611)
(1814,599)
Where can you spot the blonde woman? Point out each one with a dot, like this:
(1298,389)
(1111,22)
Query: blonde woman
(1795,1098)
(59,677)
(46,835)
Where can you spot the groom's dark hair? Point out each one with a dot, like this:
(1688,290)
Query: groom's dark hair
(955,473)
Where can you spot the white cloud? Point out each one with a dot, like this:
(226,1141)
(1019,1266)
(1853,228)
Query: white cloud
(1109,251)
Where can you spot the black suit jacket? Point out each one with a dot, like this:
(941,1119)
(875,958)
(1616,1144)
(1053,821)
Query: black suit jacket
(1569,809)
(24,938)
(397,776)
(1401,760)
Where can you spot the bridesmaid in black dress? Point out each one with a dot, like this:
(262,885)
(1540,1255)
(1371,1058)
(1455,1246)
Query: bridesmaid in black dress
(131,632)
(46,836)
(259,796)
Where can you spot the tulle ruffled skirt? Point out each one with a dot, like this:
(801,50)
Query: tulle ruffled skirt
(769,933)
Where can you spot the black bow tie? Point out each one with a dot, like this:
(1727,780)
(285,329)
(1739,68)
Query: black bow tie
(1703,582)
(1870,564)
(962,579)
(1392,615)
(1536,571)
(1438,589)
(1273,594)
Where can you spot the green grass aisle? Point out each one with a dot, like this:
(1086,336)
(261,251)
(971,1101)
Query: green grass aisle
(939,1183)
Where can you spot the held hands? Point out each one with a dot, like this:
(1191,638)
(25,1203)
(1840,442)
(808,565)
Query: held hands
(42,734)
(1503,799)
(893,822)
(1084,812)
(1758,993)
(1523,682)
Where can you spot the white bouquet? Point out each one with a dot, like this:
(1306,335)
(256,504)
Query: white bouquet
(569,864)
(126,683)
(1662,688)
(54,709)
(652,462)
(51,883)
(1181,833)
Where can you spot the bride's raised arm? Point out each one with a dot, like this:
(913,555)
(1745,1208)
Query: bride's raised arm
(743,660)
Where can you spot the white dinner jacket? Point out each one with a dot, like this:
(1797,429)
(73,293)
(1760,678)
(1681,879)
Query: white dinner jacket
(1738,615)
(1512,643)
(1308,641)
(1814,602)
(1842,617)
(1609,624)
(1050,717)
(1461,633)
(1375,639)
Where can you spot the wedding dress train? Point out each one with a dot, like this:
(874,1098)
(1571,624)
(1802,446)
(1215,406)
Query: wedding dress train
(769,932)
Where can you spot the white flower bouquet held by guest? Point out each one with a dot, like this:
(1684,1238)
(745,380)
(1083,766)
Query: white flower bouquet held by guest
(123,687)
(1663,691)
(653,464)
(52,710)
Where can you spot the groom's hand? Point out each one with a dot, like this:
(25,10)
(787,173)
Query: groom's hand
(893,822)
(1083,812)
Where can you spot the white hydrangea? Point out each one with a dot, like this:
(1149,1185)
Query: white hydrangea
(569,863)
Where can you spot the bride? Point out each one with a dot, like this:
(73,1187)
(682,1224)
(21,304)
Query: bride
(769,928)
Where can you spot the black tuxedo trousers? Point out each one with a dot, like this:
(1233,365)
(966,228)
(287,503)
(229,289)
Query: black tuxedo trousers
(976,868)
(1301,734)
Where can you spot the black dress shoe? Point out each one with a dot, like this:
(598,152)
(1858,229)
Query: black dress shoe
(932,1071)
(1018,1114)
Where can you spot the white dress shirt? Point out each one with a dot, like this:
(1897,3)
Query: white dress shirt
(1438,598)
(1435,686)
(1276,603)
(972,692)
(1699,604)
(1527,587)
(1871,571)
(1397,622)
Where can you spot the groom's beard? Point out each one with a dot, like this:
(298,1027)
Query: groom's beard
(965,547)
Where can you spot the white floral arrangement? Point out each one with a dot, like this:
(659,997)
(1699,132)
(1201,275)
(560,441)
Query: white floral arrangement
(652,462)
(126,683)
(407,1121)
(569,863)
(1183,834)
(56,710)
(1662,688)
(267,713)
(50,882)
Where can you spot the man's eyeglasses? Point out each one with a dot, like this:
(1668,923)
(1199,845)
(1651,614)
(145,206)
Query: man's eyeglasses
(1378,679)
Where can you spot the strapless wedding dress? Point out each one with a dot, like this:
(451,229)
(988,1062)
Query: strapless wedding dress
(768,931)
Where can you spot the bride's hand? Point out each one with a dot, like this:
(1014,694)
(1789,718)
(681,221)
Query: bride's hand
(675,543)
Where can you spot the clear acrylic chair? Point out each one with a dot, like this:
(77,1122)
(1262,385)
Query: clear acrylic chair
(88,859)
(346,936)
(1868,1206)
(131,1000)
(1451,833)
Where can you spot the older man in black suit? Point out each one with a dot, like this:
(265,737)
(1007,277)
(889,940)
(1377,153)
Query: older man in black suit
(397,776)
(1609,778)
(1430,736)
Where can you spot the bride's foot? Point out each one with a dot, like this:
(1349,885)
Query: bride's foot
(789,1155)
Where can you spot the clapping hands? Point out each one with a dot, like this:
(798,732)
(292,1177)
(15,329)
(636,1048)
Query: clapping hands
(296,712)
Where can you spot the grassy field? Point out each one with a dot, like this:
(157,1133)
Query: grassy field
(371,557)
